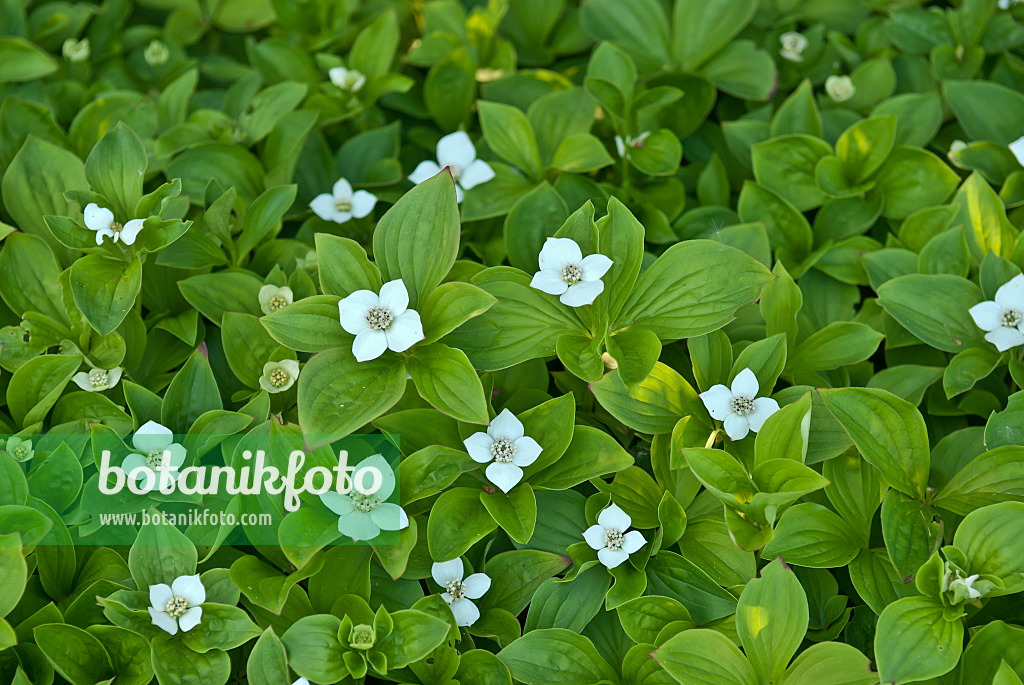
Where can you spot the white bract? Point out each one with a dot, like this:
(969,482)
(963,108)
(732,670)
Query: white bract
(456,152)
(1017,148)
(459,592)
(1007,4)
(101,220)
(840,88)
(97,380)
(301,681)
(621,146)
(737,406)
(1003,318)
(793,46)
(363,517)
(506,449)
(76,50)
(341,204)
(565,272)
(380,322)
(965,587)
(151,441)
(273,298)
(177,605)
(347,79)
(279,376)
(156,53)
(609,537)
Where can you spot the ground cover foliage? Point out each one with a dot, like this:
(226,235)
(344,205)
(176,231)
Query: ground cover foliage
(688,333)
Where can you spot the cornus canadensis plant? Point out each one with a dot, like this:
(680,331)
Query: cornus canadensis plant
(456,153)
(737,406)
(505,448)
(341,204)
(565,272)
(1002,318)
(611,537)
(177,606)
(380,321)
(101,220)
(460,590)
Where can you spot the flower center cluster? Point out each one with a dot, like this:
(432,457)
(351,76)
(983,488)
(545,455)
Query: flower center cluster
(364,503)
(613,539)
(456,588)
(343,204)
(98,378)
(155,458)
(20,452)
(503,450)
(116,227)
(379,318)
(362,637)
(1012,318)
(277,302)
(571,273)
(176,606)
(279,377)
(742,405)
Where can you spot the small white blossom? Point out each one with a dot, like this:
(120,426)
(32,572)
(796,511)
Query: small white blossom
(459,592)
(621,146)
(273,298)
(101,220)
(840,88)
(793,46)
(177,605)
(97,380)
(1003,318)
(1007,4)
(363,517)
(380,322)
(341,204)
(965,586)
(506,449)
(609,537)
(737,406)
(566,273)
(279,376)
(456,152)
(152,440)
(76,50)
(1017,148)
(156,53)
(20,450)
(346,79)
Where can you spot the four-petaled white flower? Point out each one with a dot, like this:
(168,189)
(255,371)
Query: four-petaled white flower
(609,537)
(156,53)
(737,406)
(273,298)
(965,587)
(177,605)
(341,204)
(1017,148)
(380,322)
(363,517)
(840,88)
(793,46)
(459,592)
(152,440)
(97,380)
(565,272)
(456,152)
(507,449)
(346,79)
(76,50)
(622,146)
(101,220)
(279,376)
(1003,318)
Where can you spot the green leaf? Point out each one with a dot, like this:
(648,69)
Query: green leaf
(787,228)
(990,478)
(810,535)
(705,656)
(771,619)
(654,405)
(992,539)
(29,277)
(191,393)
(23,61)
(839,344)
(312,324)
(221,628)
(451,305)
(415,634)
(530,221)
(36,385)
(832,662)
(913,641)
(444,377)
(985,109)
(910,300)
(116,168)
(912,179)
(105,290)
(458,520)
(75,654)
(314,651)
(267,663)
(863,147)
(786,165)
(702,28)
(555,656)
(515,511)
(508,132)
(35,182)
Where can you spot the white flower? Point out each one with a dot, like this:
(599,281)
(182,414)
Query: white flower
(156,53)
(456,152)
(1003,318)
(566,273)
(101,220)
(20,450)
(363,517)
(737,406)
(506,447)
(793,46)
(609,537)
(380,322)
(301,681)
(341,204)
(630,142)
(1017,148)
(152,440)
(459,592)
(273,298)
(965,586)
(1007,4)
(76,50)
(346,79)
(97,380)
(177,605)
(839,88)
(279,376)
